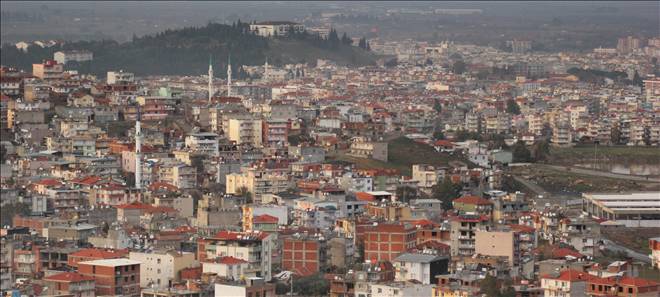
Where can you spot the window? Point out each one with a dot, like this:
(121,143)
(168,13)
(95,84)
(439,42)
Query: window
(158,261)
(158,271)
(630,290)
(132,277)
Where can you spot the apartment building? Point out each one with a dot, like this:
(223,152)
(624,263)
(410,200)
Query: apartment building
(48,70)
(246,131)
(276,28)
(70,283)
(253,247)
(567,283)
(427,176)
(463,233)
(205,143)
(161,269)
(257,181)
(384,242)
(304,255)
(372,150)
(113,276)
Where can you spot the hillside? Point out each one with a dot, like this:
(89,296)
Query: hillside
(186,52)
(402,154)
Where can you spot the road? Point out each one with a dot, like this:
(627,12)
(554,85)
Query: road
(610,245)
(532,186)
(603,174)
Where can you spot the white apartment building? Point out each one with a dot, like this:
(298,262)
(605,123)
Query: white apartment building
(161,268)
(120,77)
(205,143)
(272,29)
(64,57)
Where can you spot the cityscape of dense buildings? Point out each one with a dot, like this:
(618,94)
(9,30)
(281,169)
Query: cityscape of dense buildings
(444,169)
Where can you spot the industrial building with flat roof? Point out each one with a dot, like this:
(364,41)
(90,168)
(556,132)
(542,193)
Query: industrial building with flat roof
(641,209)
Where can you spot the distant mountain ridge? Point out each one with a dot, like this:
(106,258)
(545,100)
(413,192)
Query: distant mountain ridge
(186,51)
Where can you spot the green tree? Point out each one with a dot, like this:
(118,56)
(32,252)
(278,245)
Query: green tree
(392,63)
(438,135)
(512,107)
(8,211)
(446,191)
(437,106)
(616,135)
(637,80)
(406,193)
(489,287)
(313,285)
(458,67)
(540,150)
(244,193)
(521,153)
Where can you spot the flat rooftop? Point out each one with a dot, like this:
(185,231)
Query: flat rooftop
(112,262)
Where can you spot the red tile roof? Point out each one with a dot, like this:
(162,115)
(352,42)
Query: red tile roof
(68,277)
(565,252)
(98,253)
(230,261)
(49,182)
(264,218)
(473,200)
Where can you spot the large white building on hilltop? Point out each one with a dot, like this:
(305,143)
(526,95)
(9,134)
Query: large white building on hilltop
(269,29)
(63,57)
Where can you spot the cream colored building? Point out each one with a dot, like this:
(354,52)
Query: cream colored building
(497,243)
(244,131)
(161,268)
(426,175)
(257,181)
(373,150)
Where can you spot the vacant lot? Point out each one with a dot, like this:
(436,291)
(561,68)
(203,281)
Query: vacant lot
(619,154)
(562,181)
(636,239)
(402,154)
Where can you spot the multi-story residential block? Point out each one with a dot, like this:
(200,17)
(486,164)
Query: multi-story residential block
(205,143)
(463,233)
(276,28)
(161,269)
(257,181)
(255,248)
(70,283)
(654,245)
(48,70)
(245,131)
(64,57)
(385,242)
(372,150)
(427,176)
(113,276)
(422,267)
(303,255)
(567,283)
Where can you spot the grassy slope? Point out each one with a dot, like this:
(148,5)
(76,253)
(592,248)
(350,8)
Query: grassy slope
(299,52)
(614,153)
(402,154)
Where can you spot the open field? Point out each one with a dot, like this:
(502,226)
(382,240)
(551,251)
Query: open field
(621,154)
(636,239)
(562,182)
(402,154)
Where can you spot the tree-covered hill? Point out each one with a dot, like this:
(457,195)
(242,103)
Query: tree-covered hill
(186,51)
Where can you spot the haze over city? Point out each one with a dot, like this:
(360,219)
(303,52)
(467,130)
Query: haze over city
(330,148)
